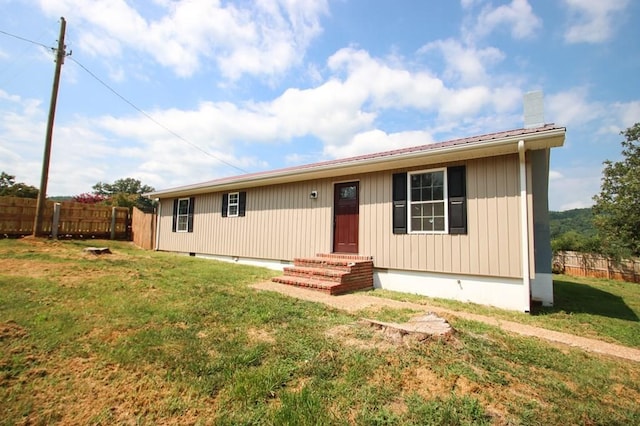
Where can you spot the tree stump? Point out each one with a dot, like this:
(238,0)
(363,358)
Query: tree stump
(417,329)
(97,250)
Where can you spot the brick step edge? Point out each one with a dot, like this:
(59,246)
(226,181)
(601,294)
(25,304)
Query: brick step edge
(317,273)
(340,264)
(306,282)
(351,257)
(323,286)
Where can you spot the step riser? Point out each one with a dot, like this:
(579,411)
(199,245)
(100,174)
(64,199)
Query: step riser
(306,263)
(330,274)
(325,287)
(313,276)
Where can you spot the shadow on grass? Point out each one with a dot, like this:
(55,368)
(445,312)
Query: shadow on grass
(573,297)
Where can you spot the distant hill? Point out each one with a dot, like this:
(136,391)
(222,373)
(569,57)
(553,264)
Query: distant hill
(578,220)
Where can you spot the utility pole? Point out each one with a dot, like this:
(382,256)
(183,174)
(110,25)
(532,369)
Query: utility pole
(42,194)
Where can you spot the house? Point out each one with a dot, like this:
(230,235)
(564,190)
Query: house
(465,219)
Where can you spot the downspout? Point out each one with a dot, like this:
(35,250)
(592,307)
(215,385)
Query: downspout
(524,225)
(157,236)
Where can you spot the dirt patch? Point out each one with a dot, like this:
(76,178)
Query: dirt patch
(259,335)
(425,382)
(11,330)
(360,337)
(27,268)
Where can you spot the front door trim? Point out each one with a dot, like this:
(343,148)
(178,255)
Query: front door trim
(346,210)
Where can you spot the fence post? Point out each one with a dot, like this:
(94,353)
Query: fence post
(113,222)
(56,221)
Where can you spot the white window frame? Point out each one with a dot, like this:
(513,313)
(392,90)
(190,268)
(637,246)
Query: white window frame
(233,205)
(411,203)
(184,216)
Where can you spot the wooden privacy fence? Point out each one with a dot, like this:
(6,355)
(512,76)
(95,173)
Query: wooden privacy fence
(65,219)
(143,229)
(597,266)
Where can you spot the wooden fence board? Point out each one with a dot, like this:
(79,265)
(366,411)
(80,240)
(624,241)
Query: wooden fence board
(596,266)
(76,219)
(143,229)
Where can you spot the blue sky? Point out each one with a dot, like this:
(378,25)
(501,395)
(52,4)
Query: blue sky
(226,87)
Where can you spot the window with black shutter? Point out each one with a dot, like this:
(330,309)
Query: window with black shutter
(183,214)
(422,203)
(234,204)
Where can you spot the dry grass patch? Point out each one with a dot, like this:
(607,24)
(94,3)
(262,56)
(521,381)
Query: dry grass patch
(89,391)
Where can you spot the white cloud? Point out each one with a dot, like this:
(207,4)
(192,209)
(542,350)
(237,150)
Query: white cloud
(466,4)
(573,188)
(377,141)
(517,16)
(592,21)
(573,108)
(465,63)
(266,38)
(555,175)
(629,113)
(341,113)
(384,86)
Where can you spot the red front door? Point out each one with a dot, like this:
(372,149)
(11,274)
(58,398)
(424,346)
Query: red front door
(345,220)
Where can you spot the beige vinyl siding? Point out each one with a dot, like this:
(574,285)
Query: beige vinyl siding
(491,246)
(282,222)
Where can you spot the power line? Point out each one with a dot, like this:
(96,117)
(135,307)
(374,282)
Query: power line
(141,111)
(131,104)
(27,40)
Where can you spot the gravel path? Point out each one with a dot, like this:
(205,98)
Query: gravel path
(357,301)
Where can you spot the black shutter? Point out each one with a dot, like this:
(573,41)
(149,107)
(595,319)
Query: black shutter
(225,204)
(457,188)
(399,203)
(190,217)
(175,215)
(242,203)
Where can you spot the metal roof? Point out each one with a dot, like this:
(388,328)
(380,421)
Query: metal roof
(491,144)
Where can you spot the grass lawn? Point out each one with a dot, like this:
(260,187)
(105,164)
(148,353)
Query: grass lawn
(596,308)
(141,337)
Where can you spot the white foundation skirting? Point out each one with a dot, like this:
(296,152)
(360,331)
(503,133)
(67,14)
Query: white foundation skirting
(500,292)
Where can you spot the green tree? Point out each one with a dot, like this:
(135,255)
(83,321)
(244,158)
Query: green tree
(125,193)
(9,187)
(617,207)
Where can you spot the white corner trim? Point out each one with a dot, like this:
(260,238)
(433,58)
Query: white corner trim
(524,225)
(158,216)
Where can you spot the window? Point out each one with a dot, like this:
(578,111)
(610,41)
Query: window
(232,208)
(183,215)
(348,192)
(234,204)
(427,201)
(431,201)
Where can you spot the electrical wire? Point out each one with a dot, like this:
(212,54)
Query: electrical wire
(27,40)
(148,116)
(131,104)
